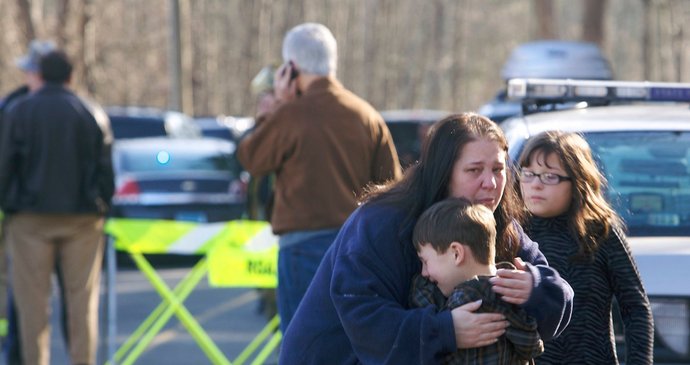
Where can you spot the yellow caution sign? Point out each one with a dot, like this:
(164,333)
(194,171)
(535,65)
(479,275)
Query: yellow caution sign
(254,263)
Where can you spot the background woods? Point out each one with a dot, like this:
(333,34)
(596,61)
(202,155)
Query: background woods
(443,54)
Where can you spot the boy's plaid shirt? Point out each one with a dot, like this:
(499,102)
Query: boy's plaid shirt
(519,345)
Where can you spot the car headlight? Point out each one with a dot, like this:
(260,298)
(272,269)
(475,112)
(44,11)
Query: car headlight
(672,325)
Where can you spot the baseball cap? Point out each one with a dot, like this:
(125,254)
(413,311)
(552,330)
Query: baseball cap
(37,49)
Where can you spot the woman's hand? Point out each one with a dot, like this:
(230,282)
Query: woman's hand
(476,329)
(514,285)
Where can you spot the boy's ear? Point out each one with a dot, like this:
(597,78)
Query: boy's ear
(458,251)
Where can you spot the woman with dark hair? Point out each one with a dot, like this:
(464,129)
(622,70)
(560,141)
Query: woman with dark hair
(355,310)
(582,237)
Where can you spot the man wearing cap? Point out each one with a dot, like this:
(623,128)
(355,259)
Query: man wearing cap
(325,144)
(56,182)
(8,324)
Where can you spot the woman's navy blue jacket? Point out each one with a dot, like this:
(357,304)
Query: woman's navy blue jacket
(355,310)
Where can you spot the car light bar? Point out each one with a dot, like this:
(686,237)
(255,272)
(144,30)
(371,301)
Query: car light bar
(595,90)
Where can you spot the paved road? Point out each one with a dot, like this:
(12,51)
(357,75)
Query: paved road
(228,315)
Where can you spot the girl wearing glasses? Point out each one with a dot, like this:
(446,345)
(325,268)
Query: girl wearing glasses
(582,238)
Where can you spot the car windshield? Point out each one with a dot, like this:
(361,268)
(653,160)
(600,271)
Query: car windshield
(177,161)
(648,179)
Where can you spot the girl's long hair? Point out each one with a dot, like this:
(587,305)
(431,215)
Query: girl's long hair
(428,181)
(590,217)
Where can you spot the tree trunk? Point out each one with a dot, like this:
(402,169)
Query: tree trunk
(593,21)
(81,65)
(25,21)
(647,40)
(187,58)
(545,19)
(61,23)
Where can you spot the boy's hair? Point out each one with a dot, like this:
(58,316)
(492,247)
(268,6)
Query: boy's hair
(458,220)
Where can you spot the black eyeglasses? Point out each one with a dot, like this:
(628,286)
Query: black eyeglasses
(546,178)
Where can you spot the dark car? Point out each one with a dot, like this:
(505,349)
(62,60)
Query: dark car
(225,127)
(409,128)
(178,179)
(142,122)
(547,59)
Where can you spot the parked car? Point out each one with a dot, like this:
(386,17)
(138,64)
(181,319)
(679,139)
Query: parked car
(178,179)
(552,59)
(225,127)
(214,127)
(643,149)
(409,128)
(141,122)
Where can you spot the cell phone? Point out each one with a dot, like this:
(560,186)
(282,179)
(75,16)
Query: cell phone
(293,71)
(293,74)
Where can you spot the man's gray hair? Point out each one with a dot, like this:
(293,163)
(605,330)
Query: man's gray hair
(312,47)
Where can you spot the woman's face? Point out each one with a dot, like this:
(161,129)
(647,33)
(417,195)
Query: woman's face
(479,175)
(541,199)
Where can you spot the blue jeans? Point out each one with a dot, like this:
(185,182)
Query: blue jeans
(298,258)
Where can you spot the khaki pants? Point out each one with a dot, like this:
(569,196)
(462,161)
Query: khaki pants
(37,242)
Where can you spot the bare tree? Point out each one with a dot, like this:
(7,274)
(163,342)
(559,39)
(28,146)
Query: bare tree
(187,57)
(646,39)
(443,54)
(593,21)
(546,28)
(678,43)
(25,21)
(61,21)
(82,14)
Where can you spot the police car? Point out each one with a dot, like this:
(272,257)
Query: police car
(639,133)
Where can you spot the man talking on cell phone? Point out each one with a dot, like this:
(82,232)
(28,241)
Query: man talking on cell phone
(325,145)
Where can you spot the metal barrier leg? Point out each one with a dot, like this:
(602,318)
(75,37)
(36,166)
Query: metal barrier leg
(147,330)
(268,349)
(270,328)
(111,298)
(202,339)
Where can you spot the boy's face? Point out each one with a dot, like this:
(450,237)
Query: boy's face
(442,269)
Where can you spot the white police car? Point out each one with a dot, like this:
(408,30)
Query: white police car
(640,135)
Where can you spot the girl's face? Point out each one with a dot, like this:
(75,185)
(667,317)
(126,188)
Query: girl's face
(541,199)
(479,175)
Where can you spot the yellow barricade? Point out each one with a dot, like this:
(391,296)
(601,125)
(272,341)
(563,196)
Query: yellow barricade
(239,253)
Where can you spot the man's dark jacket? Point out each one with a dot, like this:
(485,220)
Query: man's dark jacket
(11,98)
(54,156)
